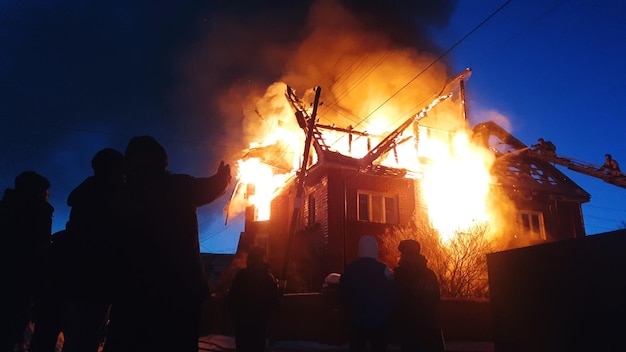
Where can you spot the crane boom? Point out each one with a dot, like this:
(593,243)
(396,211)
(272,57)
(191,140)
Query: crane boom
(617,179)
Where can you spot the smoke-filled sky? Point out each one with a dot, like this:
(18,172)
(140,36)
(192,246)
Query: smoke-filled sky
(79,76)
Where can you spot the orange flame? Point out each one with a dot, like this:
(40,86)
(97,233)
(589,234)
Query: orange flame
(436,149)
(370,84)
(454,172)
(262,185)
(456,185)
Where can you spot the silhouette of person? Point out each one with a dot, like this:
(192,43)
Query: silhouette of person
(545,147)
(418,300)
(252,300)
(50,303)
(94,226)
(161,308)
(26,227)
(366,288)
(611,165)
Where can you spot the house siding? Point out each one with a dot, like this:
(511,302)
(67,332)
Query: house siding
(562,219)
(333,238)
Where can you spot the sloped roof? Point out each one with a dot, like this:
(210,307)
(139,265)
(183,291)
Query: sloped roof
(517,169)
(514,168)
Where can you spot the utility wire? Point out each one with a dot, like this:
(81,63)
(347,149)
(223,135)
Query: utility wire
(354,40)
(439,58)
(366,74)
(605,208)
(227,227)
(444,54)
(535,21)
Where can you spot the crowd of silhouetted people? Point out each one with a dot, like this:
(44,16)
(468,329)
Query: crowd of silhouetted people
(126,273)
(384,304)
(127,267)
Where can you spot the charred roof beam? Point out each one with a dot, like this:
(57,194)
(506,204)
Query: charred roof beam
(304,121)
(390,141)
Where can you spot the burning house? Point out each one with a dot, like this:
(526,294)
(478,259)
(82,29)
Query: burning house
(313,190)
(385,141)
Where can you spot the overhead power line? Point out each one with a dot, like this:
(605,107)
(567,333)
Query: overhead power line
(444,54)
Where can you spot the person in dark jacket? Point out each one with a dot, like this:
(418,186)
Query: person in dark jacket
(94,227)
(25,227)
(49,308)
(611,166)
(252,301)
(167,282)
(366,289)
(545,147)
(418,300)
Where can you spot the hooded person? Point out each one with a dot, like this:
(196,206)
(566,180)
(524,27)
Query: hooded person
(95,221)
(252,302)
(87,260)
(366,289)
(162,306)
(418,300)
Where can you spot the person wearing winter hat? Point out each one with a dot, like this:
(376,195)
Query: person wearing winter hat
(253,302)
(418,300)
(86,257)
(164,227)
(409,247)
(26,228)
(366,289)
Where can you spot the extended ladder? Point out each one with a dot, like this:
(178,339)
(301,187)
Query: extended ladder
(583,167)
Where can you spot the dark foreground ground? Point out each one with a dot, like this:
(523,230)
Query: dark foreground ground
(227,343)
(310,322)
(222,343)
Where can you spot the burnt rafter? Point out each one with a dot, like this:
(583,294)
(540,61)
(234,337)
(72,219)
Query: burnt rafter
(298,201)
(388,143)
(304,121)
(515,167)
(391,141)
(614,178)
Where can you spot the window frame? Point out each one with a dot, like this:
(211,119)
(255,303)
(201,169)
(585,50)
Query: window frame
(526,224)
(377,204)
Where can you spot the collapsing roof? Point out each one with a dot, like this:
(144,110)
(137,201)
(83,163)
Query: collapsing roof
(520,170)
(513,168)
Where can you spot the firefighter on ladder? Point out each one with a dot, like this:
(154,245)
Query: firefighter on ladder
(611,166)
(545,147)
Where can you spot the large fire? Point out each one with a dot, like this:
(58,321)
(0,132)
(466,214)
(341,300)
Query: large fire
(454,171)
(371,86)
(456,185)
(261,185)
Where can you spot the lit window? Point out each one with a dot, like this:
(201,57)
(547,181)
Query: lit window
(531,224)
(375,207)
